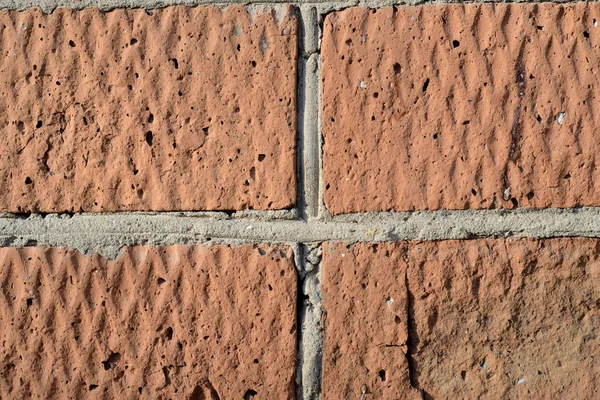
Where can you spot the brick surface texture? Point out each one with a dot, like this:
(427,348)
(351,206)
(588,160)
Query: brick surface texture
(302,113)
(175,109)
(156,323)
(461,106)
(495,318)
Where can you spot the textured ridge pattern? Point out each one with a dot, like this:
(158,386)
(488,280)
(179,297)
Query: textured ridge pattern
(365,326)
(175,109)
(487,319)
(461,106)
(158,322)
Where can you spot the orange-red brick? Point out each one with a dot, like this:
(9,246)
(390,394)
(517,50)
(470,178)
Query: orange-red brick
(493,318)
(190,322)
(461,106)
(175,109)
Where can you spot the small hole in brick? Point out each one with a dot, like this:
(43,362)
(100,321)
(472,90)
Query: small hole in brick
(261,157)
(515,202)
(133,41)
(250,394)
(111,361)
(255,361)
(28,181)
(151,118)
(425,85)
(39,124)
(455,43)
(72,43)
(29,302)
(327,186)
(375,95)
(160,281)
(149,138)
(169,333)
(93,387)
(397,320)
(205,131)
(539,119)
(567,176)
(474,192)
(397,68)
(238,47)
(530,196)
(466,122)
(140,193)
(140,389)
(382,375)
(435,136)
(175,63)
(463,375)
(586,34)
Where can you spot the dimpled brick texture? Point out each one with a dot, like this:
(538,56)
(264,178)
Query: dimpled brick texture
(156,323)
(461,106)
(365,326)
(486,319)
(174,109)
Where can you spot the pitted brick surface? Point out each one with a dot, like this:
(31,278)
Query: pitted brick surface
(156,323)
(486,319)
(365,324)
(172,109)
(461,106)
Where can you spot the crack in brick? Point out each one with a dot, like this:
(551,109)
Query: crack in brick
(412,340)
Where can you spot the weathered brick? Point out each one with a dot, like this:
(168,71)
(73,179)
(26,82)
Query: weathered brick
(189,322)
(496,318)
(174,109)
(365,321)
(461,106)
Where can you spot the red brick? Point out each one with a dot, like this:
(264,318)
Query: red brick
(158,322)
(457,107)
(365,325)
(175,109)
(496,318)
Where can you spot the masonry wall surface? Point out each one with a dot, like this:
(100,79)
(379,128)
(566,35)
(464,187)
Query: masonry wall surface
(299,200)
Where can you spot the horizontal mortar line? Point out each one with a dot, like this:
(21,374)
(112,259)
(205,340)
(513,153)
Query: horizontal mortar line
(421,225)
(326,5)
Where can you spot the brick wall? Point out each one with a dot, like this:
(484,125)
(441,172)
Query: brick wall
(306,200)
